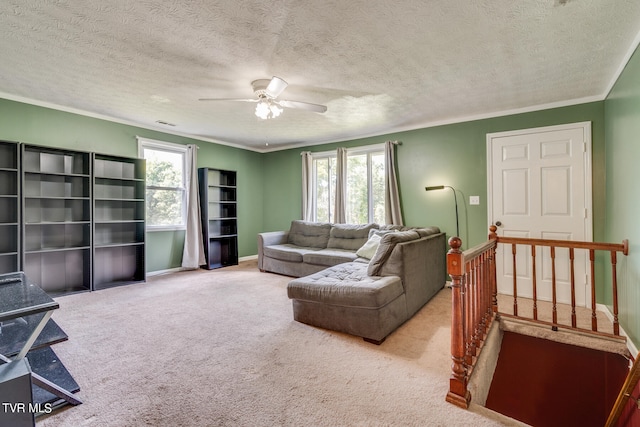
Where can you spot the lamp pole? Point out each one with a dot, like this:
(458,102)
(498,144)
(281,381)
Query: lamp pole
(455,200)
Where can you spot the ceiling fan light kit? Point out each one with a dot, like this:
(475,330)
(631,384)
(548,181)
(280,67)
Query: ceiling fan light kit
(268,107)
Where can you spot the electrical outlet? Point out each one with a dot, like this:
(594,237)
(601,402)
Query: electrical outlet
(474,200)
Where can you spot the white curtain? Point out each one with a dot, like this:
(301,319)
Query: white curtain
(341,186)
(307,186)
(393,212)
(193,252)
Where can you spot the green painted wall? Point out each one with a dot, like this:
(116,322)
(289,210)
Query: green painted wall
(43,126)
(269,185)
(622,131)
(450,155)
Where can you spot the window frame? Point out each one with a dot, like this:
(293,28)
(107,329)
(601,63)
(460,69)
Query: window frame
(321,156)
(367,150)
(151,144)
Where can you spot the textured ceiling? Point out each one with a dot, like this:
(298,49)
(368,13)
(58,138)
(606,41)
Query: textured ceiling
(379,66)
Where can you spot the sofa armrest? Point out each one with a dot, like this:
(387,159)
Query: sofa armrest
(273,238)
(421,264)
(268,239)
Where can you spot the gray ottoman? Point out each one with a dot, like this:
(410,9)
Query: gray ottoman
(344,298)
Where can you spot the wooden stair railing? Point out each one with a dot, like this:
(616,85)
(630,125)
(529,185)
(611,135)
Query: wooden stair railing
(572,246)
(474,302)
(625,393)
(473,308)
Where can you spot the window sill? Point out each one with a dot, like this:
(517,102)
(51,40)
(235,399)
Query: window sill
(152,229)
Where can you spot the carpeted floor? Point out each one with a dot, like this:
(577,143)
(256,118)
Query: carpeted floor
(220,348)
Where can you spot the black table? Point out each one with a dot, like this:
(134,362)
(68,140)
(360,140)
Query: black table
(20,299)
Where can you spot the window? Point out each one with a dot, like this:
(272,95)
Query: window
(364,187)
(324,184)
(166,192)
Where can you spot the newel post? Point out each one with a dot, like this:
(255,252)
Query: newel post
(458,393)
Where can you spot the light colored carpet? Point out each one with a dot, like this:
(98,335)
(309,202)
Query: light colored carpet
(221,348)
(583,320)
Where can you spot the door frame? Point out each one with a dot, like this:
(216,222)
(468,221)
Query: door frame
(588,184)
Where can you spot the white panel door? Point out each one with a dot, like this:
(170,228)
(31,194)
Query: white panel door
(540,187)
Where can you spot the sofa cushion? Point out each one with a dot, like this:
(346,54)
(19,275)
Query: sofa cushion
(368,250)
(422,231)
(382,231)
(349,236)
(426,231)
(329,257)
(393,227)
(387,243)
(309,234)
(286,252)
(346,285)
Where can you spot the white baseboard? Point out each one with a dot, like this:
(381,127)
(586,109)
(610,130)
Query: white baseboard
(159,272)
(630,344)
(178,269)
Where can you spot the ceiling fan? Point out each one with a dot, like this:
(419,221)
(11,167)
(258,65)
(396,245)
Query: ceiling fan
(267,92)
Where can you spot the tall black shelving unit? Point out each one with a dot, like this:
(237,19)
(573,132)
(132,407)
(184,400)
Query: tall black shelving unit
(82,225)
(9,207)
(119,221)
(219,210)
(56,209)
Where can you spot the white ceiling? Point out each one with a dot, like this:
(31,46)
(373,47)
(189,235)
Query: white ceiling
(379,66)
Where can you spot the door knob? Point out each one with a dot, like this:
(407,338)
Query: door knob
(498,224)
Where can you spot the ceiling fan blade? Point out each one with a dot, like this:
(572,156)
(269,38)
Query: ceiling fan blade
(303,106)
(275,87)
(229,99)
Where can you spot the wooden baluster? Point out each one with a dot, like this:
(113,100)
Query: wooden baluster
(491,284)
(534,284)
(481,297)
(489,287)
(494,279)
(573,289)
(614,262)
(486,293)
(458,393)
(468,318)
(594,317)
(473,307)
(486,304)
(554,310)
(515,280)
(478,301)
(473,323)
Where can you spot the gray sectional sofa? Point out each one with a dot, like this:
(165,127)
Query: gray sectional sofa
(309,247)
(365,280)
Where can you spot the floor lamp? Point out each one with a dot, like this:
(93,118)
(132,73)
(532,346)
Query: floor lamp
(455,200)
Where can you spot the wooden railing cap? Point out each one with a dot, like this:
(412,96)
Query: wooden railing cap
(455,243)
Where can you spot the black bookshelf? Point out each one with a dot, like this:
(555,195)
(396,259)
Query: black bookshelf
(219,211)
